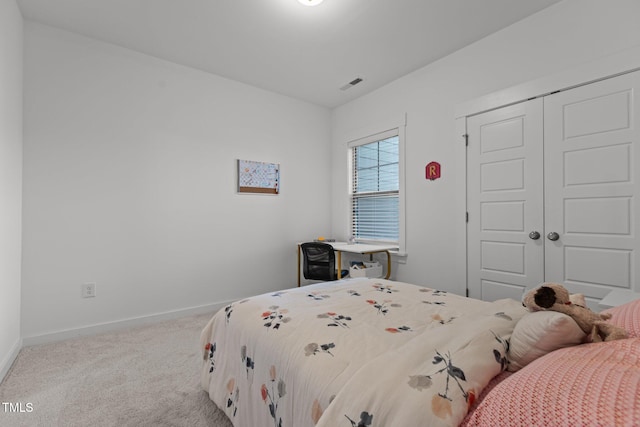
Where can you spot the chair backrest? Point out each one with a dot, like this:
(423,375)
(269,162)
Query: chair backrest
(319,261)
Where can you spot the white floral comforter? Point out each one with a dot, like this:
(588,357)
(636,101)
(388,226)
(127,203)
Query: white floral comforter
(359,352)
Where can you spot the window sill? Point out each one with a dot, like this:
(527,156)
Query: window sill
(399,257)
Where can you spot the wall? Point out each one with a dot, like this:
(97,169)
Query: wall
(129,161)
(130,183)
(565,35)
(11,41)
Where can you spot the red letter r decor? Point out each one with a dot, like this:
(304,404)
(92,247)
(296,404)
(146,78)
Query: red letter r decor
(432,171)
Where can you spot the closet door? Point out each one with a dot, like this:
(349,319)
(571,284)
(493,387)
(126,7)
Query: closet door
(505,201)
(591,163)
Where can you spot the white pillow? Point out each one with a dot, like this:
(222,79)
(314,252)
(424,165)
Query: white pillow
(539,333)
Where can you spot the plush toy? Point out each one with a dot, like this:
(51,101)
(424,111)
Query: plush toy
(555,297)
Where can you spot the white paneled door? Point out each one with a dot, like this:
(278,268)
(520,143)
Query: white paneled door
(505,201)
(591,163)
(551,192)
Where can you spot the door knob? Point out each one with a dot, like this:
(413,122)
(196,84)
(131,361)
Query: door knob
(534,235)
(553,236)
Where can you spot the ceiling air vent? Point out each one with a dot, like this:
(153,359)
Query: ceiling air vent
(351,84)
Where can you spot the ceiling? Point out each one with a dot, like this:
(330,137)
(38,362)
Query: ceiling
(308,53)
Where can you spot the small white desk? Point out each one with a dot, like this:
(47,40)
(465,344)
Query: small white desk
(355,248)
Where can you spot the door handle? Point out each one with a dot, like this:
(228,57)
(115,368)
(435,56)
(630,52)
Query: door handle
(534,235)
(553,236)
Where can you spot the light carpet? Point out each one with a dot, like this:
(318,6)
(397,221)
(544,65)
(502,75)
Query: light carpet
(144,376)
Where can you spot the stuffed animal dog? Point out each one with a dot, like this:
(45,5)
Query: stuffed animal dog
(555,297)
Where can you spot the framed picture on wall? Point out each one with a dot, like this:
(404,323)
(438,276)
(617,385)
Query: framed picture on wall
(258,177)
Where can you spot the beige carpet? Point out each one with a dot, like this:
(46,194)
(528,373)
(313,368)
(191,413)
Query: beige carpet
(145,376)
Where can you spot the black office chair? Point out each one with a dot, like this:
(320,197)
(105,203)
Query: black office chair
(319,262)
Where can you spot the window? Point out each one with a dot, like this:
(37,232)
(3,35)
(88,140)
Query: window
(375,188)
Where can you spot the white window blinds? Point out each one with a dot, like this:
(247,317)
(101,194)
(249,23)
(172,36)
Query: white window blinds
(375,187)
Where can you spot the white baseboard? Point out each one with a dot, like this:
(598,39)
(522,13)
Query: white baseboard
(6,364)
(120,324)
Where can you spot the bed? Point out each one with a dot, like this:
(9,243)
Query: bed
(374,352)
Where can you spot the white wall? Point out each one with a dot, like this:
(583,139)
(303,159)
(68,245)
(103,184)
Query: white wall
(565,35)
(129,177)
(10,180)
(130,182)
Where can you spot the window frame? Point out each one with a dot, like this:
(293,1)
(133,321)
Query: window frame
(379,135)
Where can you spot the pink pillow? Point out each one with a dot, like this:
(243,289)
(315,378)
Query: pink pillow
(627,316)
(591,384)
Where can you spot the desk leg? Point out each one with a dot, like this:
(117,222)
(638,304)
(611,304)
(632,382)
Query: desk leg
(339,262)
(298,265)
(388,265)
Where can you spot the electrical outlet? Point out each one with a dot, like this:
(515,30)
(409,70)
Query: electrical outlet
(88,290)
